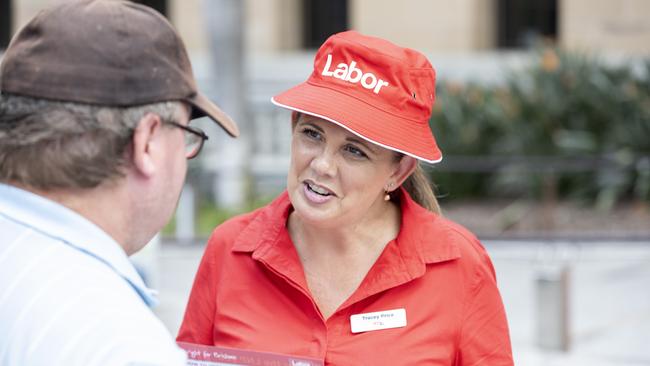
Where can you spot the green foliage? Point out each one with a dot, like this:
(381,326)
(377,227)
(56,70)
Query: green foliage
(564,106)
(209,216)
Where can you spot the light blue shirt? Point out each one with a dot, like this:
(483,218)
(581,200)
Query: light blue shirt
(69,294)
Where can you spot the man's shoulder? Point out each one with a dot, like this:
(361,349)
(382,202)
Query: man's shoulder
(45,274)
(71,307)
(94,335)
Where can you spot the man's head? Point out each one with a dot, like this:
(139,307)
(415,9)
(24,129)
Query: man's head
(104,52)
(96,96)
(50,145)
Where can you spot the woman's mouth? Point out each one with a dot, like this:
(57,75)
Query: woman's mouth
(317,189)
(316,193)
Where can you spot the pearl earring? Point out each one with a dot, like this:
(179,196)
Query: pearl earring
(387,195)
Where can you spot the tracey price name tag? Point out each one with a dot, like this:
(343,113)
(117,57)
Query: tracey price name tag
(378,320)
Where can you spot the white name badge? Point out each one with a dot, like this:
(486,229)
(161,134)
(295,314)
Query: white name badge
(386,319)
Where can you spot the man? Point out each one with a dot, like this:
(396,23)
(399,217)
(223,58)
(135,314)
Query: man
(96,97)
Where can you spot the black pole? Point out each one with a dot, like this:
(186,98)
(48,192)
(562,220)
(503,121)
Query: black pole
(5,23)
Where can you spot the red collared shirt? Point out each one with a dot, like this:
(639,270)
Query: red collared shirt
(250,292)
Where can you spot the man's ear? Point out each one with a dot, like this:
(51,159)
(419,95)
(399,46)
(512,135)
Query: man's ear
(144,144)
(405,167)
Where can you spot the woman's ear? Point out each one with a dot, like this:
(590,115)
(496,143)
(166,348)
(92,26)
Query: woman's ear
(144,144)
(405,167)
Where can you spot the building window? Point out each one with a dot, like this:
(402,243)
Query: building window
(5,23)
(322,18)
(521,24)
(160,5)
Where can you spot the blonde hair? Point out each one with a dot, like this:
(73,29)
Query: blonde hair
(420,189)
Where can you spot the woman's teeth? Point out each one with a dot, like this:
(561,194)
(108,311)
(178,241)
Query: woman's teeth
(318,190)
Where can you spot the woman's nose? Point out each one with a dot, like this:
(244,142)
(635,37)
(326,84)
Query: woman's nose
(324,163)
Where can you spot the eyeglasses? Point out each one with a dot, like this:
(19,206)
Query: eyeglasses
(194,139)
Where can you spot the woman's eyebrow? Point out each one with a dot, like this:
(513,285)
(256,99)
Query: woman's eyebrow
(362,143)
(353,139)
(312,125)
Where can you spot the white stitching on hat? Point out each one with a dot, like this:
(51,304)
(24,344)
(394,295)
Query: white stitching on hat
(354,132)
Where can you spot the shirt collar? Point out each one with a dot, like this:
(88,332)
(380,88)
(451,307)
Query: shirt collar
(266,226)
(423,237)
(59,222)
(421,240)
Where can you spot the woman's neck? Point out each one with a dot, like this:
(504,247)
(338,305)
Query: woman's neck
(336,260)
(368,233)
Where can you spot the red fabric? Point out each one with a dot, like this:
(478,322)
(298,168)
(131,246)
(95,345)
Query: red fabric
(380,91)
(250,292)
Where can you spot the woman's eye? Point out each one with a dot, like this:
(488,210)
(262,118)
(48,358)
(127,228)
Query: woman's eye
(355,151)
(312,134)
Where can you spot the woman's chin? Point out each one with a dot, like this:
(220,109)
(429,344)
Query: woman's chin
(317,215)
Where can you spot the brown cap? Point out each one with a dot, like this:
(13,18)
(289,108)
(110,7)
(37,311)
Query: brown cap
(105,52)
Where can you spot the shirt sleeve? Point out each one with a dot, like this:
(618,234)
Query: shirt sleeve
(484,337)
(197,325)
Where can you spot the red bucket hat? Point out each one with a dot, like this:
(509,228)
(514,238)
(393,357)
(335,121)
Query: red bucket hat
(375,89)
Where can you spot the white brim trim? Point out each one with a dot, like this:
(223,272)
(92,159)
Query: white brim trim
(354,132)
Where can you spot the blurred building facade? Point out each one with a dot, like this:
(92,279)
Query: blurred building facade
(269,45)
(434,25)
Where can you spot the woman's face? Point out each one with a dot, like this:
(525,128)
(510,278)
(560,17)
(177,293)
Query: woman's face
(335,177)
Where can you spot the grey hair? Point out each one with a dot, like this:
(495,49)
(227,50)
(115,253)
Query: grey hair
(49,145)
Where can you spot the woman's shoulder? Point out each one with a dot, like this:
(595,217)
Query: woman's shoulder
(456,232)
(439,236)
(474,258)
(445,231)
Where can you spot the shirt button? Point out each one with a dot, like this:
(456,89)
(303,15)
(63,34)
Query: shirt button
(317,346)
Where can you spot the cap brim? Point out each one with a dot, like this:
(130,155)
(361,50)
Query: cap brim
(203,107)
(411,138)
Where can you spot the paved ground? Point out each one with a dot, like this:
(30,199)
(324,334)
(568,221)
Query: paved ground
(608,293)
(608,301)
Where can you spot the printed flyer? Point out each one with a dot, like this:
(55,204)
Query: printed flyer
(202,355)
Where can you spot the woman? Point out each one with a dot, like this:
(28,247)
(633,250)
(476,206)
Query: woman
(353,263)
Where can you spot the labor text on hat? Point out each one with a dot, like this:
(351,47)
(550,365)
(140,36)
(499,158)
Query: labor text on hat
(354,75)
